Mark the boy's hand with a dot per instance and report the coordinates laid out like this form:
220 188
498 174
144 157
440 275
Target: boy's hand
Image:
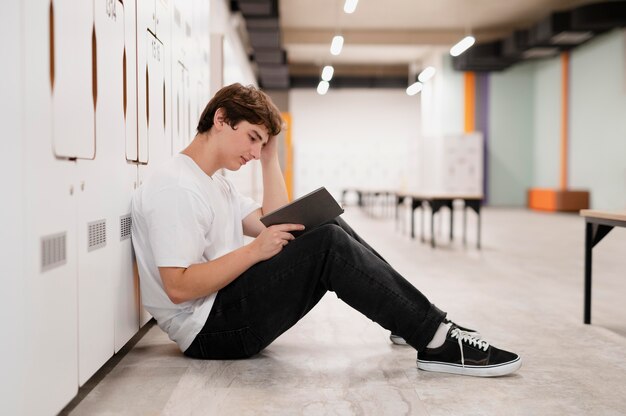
270 150
272 240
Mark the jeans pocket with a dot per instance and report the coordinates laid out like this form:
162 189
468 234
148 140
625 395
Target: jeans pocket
227 345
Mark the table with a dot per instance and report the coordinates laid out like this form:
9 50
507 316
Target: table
436 202
597 225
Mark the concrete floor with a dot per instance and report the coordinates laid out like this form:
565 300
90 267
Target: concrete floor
523 291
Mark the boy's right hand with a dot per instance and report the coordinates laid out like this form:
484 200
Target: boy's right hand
272 240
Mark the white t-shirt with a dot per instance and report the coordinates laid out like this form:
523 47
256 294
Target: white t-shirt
181 216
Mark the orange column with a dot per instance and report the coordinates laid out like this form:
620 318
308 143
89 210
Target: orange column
470 101
564 116
288 156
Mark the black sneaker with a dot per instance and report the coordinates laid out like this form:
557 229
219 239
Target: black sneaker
398 340
466 354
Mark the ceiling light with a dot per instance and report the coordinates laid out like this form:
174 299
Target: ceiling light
414 88
350 6
426 74
327 73
322 87
462 46
336 45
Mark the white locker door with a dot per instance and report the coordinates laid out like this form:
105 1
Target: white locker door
98 215
130 100
146 28
188 127
151 101
159 143
163 20
180 107
12 220
143 172
49 232
73 81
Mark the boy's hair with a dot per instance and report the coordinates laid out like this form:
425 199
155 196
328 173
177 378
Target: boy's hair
242 103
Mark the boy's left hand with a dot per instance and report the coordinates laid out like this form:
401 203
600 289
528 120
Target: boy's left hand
270 150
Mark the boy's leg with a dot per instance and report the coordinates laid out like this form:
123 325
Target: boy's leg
273 295
344 225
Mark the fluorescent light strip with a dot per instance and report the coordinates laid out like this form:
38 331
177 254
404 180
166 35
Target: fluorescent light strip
336 45
350 6
462 46
414 88
322 87
426 74
327 73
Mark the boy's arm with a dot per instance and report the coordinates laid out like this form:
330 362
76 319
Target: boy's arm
274 189
203 279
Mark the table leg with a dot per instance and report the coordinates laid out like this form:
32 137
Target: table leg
412 219
464 224
432 226
588 259
451 221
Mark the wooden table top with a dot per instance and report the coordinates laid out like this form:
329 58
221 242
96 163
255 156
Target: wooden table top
606 215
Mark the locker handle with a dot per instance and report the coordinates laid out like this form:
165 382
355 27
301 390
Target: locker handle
147 96
124 81
51 44
94 67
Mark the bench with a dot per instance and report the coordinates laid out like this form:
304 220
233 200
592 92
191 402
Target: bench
597 225
436 202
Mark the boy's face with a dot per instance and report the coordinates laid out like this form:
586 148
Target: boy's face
243 144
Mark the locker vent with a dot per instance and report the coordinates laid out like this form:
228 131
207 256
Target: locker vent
53 251
97 235
125 223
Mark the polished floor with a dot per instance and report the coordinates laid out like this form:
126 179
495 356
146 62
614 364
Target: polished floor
523 291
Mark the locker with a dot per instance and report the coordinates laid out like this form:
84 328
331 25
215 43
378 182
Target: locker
130 98
50 264
159 144
180 107
180 76
72 78
144 316
51 211
13 295
216 59
102 200
163 20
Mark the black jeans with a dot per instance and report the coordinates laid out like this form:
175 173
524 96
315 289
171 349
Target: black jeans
271 296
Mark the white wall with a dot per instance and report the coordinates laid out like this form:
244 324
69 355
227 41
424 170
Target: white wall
352 138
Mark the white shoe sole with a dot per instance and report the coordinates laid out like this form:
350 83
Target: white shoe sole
398 340
471 370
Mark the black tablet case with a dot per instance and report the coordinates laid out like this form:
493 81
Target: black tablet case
311 210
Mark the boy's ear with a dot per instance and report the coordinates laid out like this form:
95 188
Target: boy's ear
218 119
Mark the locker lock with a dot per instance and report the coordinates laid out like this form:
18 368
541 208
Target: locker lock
82 185
71 189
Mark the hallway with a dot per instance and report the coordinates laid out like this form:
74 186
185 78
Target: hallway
523 291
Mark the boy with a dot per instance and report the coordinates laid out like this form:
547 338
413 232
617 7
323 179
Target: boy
220 299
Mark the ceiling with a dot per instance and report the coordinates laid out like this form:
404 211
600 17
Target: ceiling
382 37
385 36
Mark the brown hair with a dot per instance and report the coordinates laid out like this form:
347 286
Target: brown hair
242 103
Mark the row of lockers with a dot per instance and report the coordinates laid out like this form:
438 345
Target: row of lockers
108 89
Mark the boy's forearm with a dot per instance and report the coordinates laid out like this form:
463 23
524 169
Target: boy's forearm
274 189
202 279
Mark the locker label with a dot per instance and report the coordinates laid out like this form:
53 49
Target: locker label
111 12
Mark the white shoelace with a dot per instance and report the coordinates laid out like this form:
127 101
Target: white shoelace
471 339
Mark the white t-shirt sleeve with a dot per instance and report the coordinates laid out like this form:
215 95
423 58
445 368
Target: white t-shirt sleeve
177 225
